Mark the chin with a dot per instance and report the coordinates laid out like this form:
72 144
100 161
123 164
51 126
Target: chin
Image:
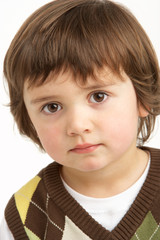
91 166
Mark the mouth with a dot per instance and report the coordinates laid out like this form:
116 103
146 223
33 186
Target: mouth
85 148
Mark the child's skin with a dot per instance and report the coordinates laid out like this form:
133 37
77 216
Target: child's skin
104 114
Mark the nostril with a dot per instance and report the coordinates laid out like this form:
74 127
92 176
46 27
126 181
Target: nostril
77 131
86 130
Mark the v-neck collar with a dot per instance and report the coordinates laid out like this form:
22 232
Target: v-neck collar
129 223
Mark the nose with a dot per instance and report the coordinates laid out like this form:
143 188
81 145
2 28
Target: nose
79 122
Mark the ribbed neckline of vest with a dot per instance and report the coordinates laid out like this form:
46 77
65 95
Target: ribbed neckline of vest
129 223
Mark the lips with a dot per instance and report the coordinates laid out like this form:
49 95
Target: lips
85 148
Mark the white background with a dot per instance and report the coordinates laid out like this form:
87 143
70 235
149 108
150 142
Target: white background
20 160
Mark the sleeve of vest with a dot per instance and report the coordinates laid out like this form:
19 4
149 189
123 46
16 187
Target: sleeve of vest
5 233
14 221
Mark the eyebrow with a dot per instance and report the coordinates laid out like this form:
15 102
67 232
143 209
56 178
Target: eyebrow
98 86
51 97
43 99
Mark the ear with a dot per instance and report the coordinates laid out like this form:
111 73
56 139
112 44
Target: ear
142 111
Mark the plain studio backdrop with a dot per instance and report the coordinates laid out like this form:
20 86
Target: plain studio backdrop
20 159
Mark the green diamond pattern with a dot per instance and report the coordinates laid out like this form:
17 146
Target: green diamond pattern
31 235
149 229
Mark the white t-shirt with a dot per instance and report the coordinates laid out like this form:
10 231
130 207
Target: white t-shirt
107 211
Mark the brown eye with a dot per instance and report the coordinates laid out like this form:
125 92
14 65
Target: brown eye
51 108
98 97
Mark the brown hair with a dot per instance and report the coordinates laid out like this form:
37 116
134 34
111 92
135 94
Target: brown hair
82 35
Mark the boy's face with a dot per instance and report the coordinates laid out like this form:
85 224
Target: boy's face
89 127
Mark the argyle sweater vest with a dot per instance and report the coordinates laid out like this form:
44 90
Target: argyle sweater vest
44 210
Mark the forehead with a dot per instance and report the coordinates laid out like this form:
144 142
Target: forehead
64 85
101 77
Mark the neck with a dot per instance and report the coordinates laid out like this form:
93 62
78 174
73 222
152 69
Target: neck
109 181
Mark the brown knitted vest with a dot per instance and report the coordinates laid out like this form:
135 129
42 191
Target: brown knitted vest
44 210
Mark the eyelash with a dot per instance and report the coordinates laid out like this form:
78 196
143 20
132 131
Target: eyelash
103 94
59 107
51 105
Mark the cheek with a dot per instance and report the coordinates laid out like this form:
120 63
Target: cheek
121 129
51 140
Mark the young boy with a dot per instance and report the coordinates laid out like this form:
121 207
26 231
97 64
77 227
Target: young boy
84 85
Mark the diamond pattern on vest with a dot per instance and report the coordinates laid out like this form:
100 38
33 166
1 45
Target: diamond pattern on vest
149 229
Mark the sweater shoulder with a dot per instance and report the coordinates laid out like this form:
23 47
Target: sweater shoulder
31 197
17 208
